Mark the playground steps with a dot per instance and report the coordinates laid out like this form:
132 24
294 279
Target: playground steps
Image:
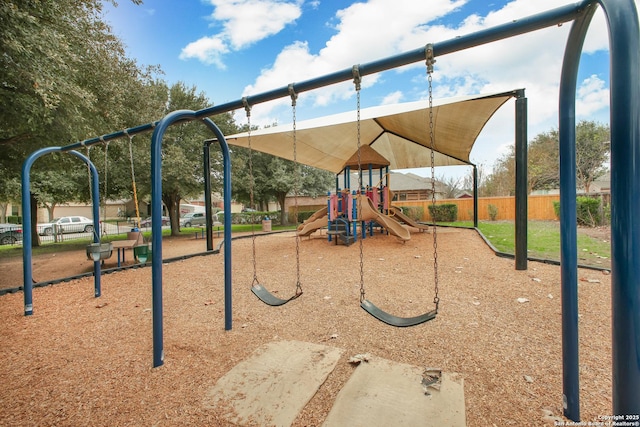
340 232
347 239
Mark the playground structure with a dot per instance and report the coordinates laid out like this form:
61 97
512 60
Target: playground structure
624 36
371 207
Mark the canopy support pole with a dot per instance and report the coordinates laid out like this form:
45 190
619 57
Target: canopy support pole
522 187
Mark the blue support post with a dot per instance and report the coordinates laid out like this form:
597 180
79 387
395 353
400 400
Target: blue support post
475 196
226 194
95 194
521 181
347 177
625 204
355 217
329 211
568 230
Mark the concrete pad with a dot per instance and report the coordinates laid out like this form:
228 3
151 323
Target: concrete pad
384 393
272 386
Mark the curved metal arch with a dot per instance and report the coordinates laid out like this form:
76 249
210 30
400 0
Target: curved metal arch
27 253
156 223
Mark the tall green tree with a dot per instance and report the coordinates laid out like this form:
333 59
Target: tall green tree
182 174
59 70
543 172
592 151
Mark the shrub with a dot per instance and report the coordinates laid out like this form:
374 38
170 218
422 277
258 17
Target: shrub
251 217
493 212
588 211
447 212
302 216
556 208
14 219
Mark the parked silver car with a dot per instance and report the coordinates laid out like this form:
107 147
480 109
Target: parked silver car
193 218
67 224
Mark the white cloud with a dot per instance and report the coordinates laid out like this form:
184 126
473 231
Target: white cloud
592 96
207 49
244 22
248 21
392 98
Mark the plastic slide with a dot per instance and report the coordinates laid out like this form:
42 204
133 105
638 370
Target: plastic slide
314 222
398 213
368 212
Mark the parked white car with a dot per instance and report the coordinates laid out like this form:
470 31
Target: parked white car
67 224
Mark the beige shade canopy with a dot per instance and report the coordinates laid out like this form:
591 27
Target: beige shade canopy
398 132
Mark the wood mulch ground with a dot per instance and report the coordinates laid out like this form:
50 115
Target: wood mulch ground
85 361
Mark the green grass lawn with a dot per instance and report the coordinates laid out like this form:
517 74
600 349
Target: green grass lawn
543 241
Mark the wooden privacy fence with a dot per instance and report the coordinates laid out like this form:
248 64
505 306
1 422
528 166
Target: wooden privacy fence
539 207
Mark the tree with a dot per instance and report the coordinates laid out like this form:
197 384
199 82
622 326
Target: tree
182 174
542 158
450 186
251 174
481 177
59 68
274 178
315 182
501 181
592 151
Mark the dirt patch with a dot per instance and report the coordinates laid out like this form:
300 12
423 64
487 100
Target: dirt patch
600 233
85 361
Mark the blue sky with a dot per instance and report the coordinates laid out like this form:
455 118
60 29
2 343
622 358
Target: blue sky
232 48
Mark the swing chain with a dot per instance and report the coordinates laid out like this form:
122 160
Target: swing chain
356 81
296 189
133 178
430 61
96 233
247 109
106 171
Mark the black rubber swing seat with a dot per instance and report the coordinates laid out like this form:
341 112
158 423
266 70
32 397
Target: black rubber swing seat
268 298
390 319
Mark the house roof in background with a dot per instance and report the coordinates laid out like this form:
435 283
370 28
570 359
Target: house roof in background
397 182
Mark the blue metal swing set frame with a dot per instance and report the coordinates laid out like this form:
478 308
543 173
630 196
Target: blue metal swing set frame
624 36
